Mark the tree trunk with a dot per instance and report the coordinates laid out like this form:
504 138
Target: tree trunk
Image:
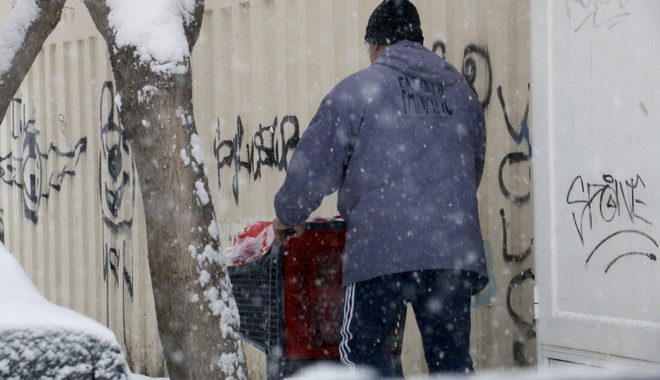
197 316
50 12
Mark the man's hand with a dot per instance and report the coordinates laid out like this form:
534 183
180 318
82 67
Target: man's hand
282 234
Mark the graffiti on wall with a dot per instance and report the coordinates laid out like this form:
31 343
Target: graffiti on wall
31 168
117 191
478 72
269 147
517 158
2 226
517 193
611 202
596 13
476 69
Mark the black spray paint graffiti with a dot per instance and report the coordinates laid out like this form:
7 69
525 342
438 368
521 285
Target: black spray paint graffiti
478 72
2 226
597 13
527 329
615 202
514 158
117 177
509 258
117 192
28 169
476 69
270 147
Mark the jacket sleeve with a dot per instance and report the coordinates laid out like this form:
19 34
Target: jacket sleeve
480 144
317 165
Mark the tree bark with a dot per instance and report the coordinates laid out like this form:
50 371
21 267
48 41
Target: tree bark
197 316
50 12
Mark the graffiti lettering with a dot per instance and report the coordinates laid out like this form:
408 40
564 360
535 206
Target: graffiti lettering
597 13
518 193
609 200
616 202
638 233
117 191
270 147
524 131
505 250
17 103
514 158
476 69
440 45
478 72
2 226
528 328
117 173
28 169
112 266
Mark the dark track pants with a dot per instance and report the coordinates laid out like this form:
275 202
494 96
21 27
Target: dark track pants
441 301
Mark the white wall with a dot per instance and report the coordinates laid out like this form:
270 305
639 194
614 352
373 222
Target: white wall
596 118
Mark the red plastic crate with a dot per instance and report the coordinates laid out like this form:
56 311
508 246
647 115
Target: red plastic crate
312 292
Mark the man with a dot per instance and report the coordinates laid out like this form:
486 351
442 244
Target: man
403 141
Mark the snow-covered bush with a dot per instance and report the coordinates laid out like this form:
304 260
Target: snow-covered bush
40 340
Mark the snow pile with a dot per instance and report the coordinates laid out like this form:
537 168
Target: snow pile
39 339
12 32
156 29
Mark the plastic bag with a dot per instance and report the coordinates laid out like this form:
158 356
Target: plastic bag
252 243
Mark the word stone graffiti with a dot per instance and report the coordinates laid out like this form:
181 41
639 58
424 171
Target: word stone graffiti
609 210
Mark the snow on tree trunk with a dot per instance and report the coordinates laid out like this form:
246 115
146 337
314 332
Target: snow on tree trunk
196 312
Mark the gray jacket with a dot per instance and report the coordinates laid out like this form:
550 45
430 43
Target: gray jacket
403 141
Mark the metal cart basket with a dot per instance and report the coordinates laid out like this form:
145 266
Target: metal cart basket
290 301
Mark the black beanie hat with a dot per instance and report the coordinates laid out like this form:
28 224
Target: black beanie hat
393 21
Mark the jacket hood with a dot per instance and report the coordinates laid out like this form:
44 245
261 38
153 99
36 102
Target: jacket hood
415 60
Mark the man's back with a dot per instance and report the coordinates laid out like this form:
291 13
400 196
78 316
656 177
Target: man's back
403 141
409 194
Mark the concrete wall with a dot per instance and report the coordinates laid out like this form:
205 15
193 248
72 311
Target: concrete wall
262 66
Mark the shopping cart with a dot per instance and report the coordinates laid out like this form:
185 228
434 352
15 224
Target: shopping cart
290 301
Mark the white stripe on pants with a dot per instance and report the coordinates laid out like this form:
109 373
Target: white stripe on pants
346 335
